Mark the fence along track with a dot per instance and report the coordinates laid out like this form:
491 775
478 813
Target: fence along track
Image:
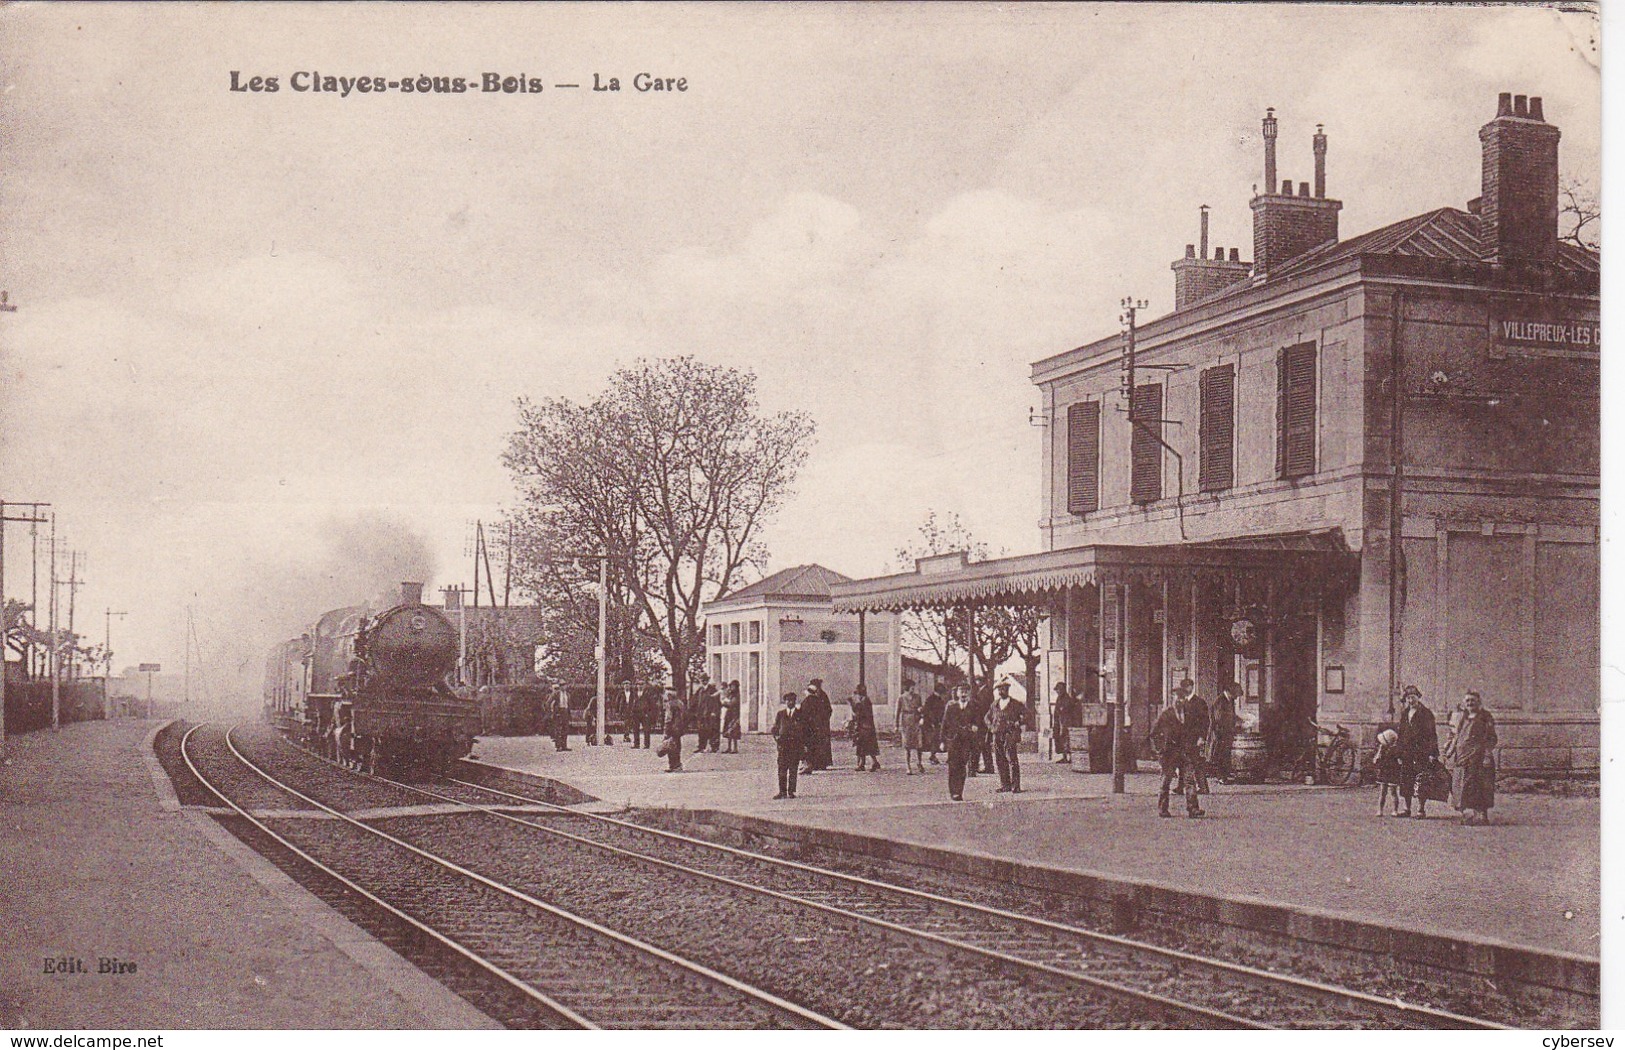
774 1006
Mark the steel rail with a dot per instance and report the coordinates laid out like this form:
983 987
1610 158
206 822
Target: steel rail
1347 998
642 947
568 1015
1164 1006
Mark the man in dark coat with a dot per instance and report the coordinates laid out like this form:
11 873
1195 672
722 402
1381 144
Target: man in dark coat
959 737
1174 741
787 734
1196 713
1222 719
1418 747
1009 719
648 709
672 743
931 721
981 758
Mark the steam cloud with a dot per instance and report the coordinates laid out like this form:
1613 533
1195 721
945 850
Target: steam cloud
359 559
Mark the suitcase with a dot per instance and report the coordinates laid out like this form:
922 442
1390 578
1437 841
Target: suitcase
1433 784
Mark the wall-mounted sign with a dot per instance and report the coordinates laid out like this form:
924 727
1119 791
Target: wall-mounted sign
1092 715
149 668
1535 335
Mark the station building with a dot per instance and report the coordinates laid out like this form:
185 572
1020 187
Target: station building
1343 467
776 635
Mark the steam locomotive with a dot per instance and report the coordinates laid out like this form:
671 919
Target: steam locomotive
369 689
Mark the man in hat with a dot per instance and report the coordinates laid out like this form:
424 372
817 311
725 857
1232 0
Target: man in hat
1201 723
671 745
1009 719
1418 747
787 734
1174 741
959 737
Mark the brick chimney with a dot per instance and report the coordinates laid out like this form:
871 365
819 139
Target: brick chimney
411 594
1518 210
1197 276
1285 225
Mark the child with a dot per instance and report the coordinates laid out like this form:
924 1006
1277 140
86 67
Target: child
1386 761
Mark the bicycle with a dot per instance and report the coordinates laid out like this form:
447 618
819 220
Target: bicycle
1332 763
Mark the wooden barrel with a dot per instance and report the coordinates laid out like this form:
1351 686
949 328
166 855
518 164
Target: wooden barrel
1249 758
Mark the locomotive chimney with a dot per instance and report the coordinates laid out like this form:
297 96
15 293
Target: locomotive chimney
411 594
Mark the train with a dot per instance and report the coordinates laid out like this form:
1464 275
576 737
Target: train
370 688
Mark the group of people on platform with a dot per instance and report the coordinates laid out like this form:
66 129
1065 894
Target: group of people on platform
981 732
1408 763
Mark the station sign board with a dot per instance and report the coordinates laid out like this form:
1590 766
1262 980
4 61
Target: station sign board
148 668
1537 333
1093 715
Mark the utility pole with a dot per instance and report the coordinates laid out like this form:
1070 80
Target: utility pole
73 594
56 643
603 643
186 644
107 662
32 516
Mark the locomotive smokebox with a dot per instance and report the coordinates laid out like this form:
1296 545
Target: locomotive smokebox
411 594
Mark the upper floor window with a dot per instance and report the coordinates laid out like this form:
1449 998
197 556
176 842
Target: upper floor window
1145 448
1218 428
716 634
733 634
1295 411
756 632
1083 457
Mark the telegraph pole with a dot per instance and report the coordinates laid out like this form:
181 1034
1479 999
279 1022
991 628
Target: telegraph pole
56 643
32 516
73 594
107 662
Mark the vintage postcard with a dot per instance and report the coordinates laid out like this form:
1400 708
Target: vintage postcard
816 515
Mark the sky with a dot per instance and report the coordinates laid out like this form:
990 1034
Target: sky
267 345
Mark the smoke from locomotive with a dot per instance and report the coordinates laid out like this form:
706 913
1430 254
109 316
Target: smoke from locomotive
369 688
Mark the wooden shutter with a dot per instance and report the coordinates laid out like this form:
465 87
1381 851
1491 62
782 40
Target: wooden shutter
1218 428
1145 451
1083 457
1295 411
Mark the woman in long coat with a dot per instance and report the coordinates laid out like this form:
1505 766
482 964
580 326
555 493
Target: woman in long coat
863 728
1472 761
730 717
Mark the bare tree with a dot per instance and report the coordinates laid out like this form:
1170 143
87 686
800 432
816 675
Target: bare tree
1579 214
671 473
991 635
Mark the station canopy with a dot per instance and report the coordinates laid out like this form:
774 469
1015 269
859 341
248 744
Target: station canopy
952 580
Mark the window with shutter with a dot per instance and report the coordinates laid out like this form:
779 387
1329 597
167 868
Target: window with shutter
1218 428
1083 457
1145 451
1295 411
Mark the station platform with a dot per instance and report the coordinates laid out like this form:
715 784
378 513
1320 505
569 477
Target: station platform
1529 881
101 862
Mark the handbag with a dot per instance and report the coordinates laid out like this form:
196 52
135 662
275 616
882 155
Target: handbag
664 750
1433 784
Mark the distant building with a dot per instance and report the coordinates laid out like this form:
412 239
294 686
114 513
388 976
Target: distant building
1341 468
777 634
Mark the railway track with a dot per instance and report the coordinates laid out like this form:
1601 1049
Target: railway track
540 965
1177 986
1160 984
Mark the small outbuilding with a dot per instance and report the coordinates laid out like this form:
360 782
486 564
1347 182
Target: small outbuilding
776 635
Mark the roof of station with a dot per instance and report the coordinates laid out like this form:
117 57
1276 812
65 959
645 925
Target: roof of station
1449 234
800 582
1039 579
